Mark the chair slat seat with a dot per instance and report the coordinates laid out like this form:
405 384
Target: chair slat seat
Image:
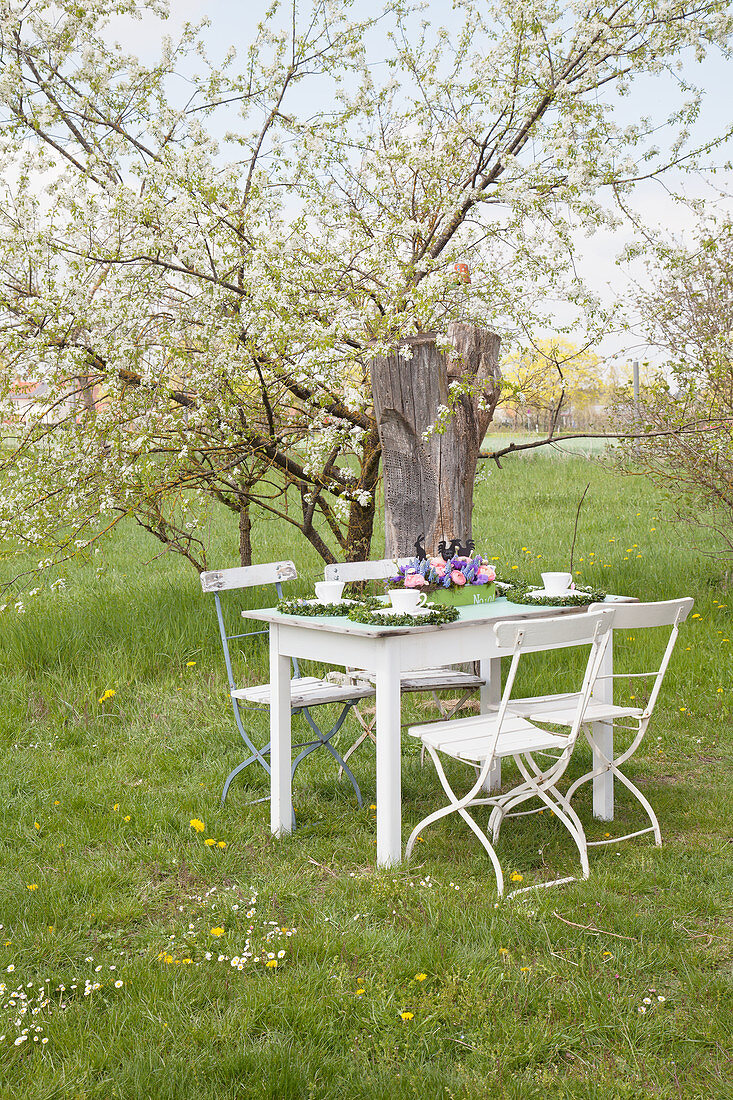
433 679
560 709
306 691
470 739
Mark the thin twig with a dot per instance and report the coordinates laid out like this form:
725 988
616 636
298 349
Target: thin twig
590 928
575 529
322 866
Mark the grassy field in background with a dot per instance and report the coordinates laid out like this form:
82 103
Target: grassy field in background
151 937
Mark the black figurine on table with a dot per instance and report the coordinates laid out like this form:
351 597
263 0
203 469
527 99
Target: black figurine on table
455 549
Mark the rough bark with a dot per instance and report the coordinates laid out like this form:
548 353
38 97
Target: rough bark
245 536
361 516
429 481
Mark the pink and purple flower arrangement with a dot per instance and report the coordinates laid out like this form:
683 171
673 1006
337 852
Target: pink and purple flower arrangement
433 574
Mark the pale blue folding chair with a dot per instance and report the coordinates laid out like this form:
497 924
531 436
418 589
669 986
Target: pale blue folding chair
306 692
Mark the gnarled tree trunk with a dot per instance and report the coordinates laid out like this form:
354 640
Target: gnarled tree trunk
429 481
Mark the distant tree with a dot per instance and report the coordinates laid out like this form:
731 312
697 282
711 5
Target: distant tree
557 384
688 317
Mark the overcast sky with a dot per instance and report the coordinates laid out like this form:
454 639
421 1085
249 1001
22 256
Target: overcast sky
233 22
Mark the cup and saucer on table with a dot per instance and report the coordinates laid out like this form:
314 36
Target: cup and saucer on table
330 592
406 601
554 584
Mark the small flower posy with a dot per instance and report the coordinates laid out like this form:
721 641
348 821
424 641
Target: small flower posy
431 574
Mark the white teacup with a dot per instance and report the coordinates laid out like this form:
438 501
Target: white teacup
329 591
407 600
557 584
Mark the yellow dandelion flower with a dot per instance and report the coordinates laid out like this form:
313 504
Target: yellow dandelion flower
116 806
127 817
197 824
210 842
359 992
407 1015
217 931
271 963
32 885
56 802
190 664
516 877
221 843
420 977
503 951
524 969
36 825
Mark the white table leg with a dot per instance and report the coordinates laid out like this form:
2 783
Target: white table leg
281 810
603 736
490 671
389 759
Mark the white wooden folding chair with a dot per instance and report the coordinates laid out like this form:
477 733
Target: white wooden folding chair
559 709
430 680
485 739
306 692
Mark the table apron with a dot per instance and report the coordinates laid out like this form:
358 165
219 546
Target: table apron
407 651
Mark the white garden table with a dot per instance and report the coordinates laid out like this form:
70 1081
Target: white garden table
387 651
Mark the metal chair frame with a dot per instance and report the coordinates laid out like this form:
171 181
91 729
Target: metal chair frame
275 573
555 709
483 740
442 680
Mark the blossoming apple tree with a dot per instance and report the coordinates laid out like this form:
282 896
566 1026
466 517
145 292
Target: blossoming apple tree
201 261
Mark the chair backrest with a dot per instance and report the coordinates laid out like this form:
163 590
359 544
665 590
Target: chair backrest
520 636
630 616
348 571
245 576
532 635
635 616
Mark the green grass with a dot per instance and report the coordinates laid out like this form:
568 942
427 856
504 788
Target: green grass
532 998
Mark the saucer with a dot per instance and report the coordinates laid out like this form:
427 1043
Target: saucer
393 611
327 603
540 594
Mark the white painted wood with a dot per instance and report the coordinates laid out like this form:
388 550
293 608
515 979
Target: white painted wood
660 613
307 691
490 696
389 762
338 642
433 679
247 576
281 808
603 739
348 571
555 633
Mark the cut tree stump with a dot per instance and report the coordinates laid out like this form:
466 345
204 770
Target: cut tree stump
429 481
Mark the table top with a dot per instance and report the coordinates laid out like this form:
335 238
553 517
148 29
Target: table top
500 608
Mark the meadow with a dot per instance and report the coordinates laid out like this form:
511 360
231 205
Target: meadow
154 944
